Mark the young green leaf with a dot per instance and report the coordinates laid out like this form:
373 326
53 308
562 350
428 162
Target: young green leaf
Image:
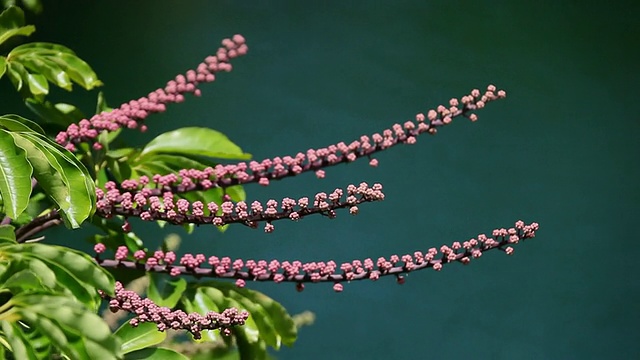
164 291
60 114
15 175
139 337
195 141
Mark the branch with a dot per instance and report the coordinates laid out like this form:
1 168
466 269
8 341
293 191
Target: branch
37 225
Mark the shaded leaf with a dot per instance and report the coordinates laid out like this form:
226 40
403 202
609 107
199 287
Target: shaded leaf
38 84
195 141
70 326
61 114
12 24
15 175
3 65
165 291
18 123
78 264
7 235
24 280
155 353
20 346
139 337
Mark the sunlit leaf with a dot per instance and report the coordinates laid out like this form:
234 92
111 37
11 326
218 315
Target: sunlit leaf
49 69
56 58
38 84
64 178
15 175
139 337
195 141
71 327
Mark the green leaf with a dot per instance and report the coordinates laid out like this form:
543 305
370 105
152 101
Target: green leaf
71 327
20 346
195 141
267 312
56 57
15 175
102 104
24 280
7 235
249 349
196 300
63 177
12 24
76 263
18 75
18 262
155 353
269 315
164 291
61 114
18 123
139 337
3 66
14 75
49 69
38 84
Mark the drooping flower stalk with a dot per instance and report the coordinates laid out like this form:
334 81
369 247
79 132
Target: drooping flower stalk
154 208
323 271
317 160
132 114
145 310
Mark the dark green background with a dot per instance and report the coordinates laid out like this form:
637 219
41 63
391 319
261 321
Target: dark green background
561 150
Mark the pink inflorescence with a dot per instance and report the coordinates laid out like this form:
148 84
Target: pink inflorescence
263 172
132 114
146 310
113 201
329 271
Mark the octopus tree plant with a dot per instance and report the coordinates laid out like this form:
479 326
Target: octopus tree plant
50 295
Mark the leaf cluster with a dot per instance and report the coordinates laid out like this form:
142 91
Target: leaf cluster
49 295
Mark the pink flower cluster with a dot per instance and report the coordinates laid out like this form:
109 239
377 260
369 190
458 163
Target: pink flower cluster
145 310
149 207
267 170
132 114
323 271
